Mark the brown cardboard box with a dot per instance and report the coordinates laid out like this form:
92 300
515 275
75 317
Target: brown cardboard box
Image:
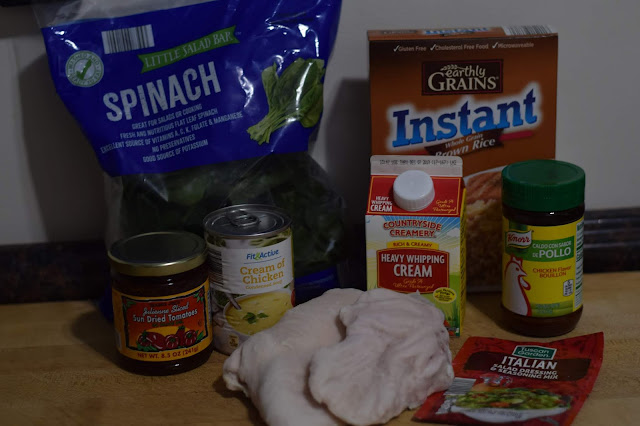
487 95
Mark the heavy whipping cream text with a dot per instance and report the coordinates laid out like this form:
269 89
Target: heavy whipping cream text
413 265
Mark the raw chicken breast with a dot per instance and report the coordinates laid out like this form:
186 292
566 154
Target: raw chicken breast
395 354
271 367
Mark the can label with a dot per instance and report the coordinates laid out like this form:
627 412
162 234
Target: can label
252 282
542 268
162 328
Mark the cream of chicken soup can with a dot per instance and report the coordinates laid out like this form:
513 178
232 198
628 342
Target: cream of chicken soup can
250 269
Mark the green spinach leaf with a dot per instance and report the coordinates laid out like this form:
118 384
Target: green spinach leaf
294 96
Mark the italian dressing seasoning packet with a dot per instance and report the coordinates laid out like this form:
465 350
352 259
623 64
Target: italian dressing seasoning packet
517 383
194 105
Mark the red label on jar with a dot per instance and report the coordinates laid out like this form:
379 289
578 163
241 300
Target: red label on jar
162 328
411 270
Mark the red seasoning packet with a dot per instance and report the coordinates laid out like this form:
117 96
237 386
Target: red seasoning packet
517 383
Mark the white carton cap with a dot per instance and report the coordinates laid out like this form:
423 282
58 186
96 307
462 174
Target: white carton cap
413 190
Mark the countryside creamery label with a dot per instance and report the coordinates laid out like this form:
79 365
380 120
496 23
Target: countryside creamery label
542 268
487 95
415 230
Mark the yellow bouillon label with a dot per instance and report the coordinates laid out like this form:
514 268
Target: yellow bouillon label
542 268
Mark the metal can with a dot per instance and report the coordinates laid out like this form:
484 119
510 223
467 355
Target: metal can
250 269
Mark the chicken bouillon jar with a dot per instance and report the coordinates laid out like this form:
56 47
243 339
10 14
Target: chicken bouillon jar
543 208
161 307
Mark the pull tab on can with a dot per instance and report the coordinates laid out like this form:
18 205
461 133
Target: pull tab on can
241 218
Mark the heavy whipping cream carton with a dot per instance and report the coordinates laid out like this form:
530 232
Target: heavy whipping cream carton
415 230
487 95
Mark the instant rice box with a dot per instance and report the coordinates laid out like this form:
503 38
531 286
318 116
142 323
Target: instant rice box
487 95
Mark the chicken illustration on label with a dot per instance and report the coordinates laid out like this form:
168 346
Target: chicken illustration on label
514 295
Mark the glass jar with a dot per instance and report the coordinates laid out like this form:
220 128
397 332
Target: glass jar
162 313
543 209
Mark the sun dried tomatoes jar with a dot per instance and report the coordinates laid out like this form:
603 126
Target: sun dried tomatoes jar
162 313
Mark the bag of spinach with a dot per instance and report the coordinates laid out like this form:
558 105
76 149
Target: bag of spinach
195 105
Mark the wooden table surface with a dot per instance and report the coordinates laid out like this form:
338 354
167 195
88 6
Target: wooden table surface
57 366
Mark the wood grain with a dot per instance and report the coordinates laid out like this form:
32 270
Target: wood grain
57 366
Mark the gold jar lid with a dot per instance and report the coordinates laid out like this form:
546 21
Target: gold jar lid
157 254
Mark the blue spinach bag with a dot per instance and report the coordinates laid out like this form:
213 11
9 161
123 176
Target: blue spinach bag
195 105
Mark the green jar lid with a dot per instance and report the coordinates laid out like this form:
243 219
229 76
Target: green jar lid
543 185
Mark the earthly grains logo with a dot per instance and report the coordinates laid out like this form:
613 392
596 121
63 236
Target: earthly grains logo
457 77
